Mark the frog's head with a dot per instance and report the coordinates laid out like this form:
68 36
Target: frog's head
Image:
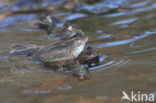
80 41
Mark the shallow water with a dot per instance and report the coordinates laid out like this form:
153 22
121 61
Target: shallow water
125 38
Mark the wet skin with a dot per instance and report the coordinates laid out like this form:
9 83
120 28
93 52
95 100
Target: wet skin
80 71
68 31
48 23
63 51
62 55
89 56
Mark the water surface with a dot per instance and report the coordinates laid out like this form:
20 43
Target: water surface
125 38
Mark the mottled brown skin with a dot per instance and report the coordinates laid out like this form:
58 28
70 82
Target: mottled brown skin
62 53
67 32
47 22
80 71
89 56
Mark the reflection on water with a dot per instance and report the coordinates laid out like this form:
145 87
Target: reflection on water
16 19
76 16
37 91
104 36
122 42
126 41
101 7
125 21
146 50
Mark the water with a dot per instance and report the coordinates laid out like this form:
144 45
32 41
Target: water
125 39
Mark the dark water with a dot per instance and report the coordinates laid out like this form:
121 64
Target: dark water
125 38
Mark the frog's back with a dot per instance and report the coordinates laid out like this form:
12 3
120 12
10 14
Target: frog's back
56 53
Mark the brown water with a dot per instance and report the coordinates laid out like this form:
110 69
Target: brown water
127 43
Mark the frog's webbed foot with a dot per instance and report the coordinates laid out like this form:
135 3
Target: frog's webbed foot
81 72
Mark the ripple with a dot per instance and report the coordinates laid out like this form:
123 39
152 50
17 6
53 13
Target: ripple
104 36
126 21
140 4
122 62
76 16
32 4
103 66
123 26
143 51
52 2
99 31
16 19
112 63
3 58
117 14
128 12
148 8
122 42
101 7
37 91
67 87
